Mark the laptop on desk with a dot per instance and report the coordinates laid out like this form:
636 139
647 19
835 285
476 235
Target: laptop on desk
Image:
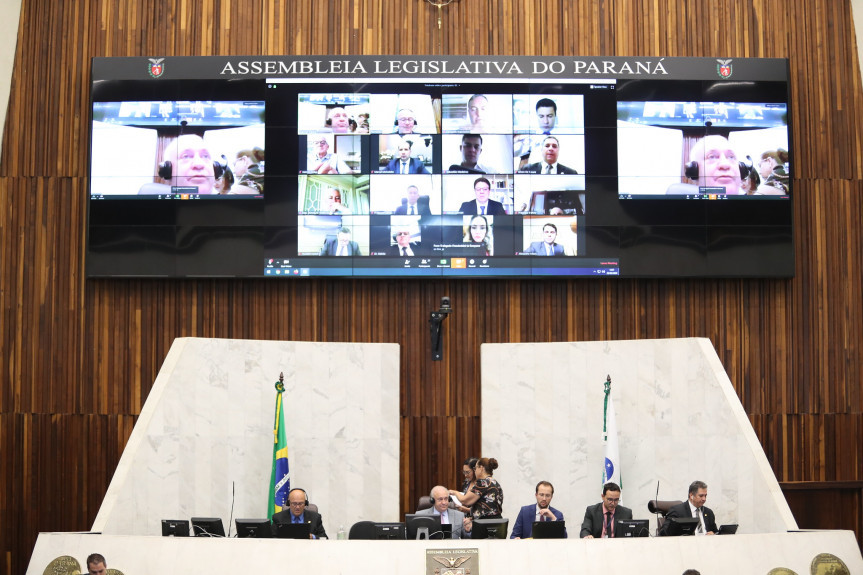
293 530
729 529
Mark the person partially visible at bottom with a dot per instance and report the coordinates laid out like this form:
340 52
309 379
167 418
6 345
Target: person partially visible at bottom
548 246
482 205
248 172
694 507
478 235
599 520
341 245
542 511
691 572
461 525
96 564
772 169
486 497
297 513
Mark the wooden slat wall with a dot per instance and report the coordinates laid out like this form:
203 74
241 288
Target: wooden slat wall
77 358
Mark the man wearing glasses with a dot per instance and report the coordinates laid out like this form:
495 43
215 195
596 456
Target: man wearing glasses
297 500
322 161
403 247
600 519
482 205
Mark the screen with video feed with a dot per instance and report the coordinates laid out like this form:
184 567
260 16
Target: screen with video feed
383 166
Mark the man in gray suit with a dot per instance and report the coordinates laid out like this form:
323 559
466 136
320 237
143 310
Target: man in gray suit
461 525
599 520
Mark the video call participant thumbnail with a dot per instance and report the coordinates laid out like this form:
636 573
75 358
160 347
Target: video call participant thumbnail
548 246
471 149
549 151
321 161
403 235
341 245
414 205
482 204
403 163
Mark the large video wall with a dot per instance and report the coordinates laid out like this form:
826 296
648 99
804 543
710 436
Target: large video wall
374 167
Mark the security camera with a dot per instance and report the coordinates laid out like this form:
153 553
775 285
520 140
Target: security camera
445 306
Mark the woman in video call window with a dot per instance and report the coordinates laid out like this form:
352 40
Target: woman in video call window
478 234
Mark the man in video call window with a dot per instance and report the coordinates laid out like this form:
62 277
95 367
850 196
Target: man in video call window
482 205
323 162
341 245
406 121
404 247
471 148
192 163
413 207
546 115
403 163
548 246
550 150
716 163
331 203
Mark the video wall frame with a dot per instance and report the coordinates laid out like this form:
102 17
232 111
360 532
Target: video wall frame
430 167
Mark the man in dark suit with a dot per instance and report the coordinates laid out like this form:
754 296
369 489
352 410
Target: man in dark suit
404 246
547 247
694 507
413 206
550 150
542 511
600 519
342 245
404 164
461 526
297 513
482 205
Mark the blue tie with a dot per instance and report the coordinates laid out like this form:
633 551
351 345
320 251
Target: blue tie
482 211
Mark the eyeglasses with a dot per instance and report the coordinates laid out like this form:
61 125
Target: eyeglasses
467 471
403 233
297 503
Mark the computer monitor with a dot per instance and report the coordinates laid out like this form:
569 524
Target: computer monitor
390 531
293 530
549 530
254 528
208 527
729 529
175 528
633 528
681 526
489 528
426 527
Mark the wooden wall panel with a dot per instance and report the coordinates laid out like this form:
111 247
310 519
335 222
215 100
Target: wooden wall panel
78 358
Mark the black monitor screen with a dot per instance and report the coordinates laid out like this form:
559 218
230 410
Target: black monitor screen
380 166
681 526
426 527
175 528
549 530
208 527
390 531
254 528
633 528
489 528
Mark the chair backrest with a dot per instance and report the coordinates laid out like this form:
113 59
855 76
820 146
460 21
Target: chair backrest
362 530
425 502
312 507
661 508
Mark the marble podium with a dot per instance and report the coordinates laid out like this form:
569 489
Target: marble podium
678 419
204 440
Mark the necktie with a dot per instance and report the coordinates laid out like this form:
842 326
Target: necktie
547 250
405 253
404 167
700 528
608 530
482 210
548 168
341 251
413 211
444 518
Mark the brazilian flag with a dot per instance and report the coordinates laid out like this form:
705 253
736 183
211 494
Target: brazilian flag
280 478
